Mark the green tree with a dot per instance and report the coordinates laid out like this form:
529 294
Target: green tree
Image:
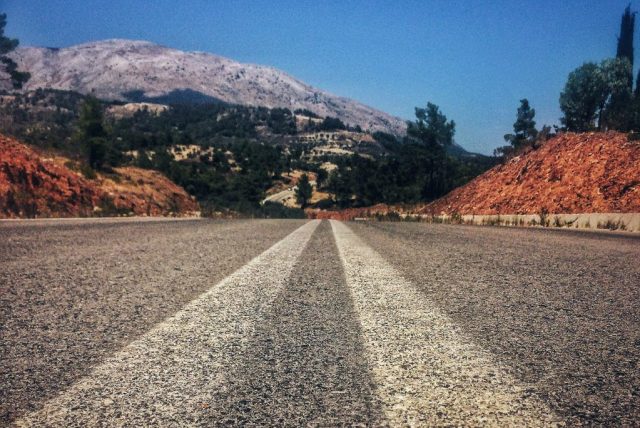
524 127
303 191
7 45
92 135
431 127
625 40
596 96
616 113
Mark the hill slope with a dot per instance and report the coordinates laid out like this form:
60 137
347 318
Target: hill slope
137 71
571 173
34 186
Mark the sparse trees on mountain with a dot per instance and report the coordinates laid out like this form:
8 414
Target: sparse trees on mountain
17 78
304 191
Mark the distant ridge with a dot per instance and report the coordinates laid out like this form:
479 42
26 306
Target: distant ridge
116 69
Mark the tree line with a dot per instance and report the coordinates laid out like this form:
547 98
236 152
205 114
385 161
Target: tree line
598 96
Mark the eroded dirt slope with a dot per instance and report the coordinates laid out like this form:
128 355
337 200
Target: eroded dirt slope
571 173
34 185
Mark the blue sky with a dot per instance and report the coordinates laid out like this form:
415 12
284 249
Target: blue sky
475 59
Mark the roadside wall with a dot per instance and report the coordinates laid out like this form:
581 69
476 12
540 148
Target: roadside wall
609 221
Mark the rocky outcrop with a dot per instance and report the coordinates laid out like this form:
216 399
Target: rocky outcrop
33 185
141 71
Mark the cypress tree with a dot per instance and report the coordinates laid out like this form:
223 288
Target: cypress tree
625 40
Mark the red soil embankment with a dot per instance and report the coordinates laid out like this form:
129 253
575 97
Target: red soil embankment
569 174
33 185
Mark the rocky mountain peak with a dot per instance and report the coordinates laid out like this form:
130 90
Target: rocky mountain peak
131 70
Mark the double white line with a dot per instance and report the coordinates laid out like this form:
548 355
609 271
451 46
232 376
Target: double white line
425 370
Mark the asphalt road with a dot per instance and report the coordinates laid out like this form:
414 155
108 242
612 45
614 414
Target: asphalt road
290 323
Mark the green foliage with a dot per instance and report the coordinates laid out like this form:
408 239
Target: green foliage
281 121
99 152
306 112
524 128
90 122
582 98
616 112
596 96
416 169
331 124
242 151
625 41
7 45
143 161
431 127
303 191
410 172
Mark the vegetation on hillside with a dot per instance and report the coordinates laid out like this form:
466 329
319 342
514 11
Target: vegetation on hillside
243 151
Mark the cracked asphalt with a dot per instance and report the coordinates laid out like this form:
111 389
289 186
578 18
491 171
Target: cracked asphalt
298 323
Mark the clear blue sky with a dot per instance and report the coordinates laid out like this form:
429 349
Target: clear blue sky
475 59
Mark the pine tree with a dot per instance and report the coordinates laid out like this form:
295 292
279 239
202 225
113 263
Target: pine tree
91 134
304 191
431 127
7 45
597 97
524 126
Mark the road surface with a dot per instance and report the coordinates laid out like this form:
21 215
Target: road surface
290 323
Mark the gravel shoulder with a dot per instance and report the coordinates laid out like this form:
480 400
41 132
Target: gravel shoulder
72 294
562 310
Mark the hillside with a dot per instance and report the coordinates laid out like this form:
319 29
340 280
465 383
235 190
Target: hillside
237 157
33 185
129 70
569 174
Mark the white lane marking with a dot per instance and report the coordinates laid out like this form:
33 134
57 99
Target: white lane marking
426 371
170 375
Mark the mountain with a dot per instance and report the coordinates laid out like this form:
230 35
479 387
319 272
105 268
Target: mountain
33 184
569 174
129 70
